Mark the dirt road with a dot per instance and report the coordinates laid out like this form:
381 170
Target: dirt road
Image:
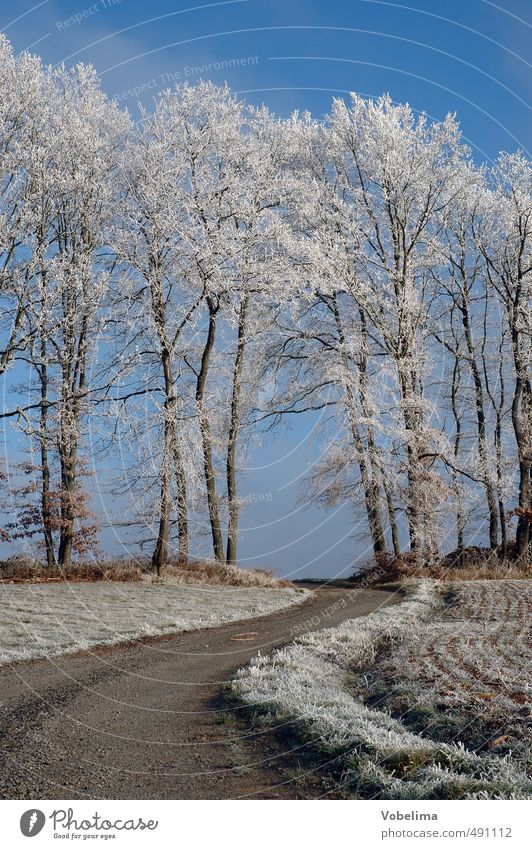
146 721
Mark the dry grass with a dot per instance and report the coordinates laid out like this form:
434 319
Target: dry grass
196 572
27 570
471 564
216 574
506 570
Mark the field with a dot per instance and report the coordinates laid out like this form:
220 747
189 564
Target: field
39 620
466 676
427 699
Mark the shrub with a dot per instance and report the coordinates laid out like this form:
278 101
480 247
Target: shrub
473 563
26 569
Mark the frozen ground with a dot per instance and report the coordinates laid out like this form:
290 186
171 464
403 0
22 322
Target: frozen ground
39 620
466 676
352 692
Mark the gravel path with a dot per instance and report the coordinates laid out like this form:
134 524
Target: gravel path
144 720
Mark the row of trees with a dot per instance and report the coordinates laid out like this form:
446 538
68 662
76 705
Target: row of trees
172 289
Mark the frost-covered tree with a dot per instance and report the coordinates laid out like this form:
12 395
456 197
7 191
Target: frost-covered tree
215 270
20 106
465 324
504 234
399 173
160 302
62 257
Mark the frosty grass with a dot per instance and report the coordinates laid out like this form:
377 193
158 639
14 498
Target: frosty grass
306 687
39 620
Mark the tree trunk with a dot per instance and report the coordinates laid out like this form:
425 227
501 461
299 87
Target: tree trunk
522 410
518 318
522 536
74 383
370 486
498 406
234 427
411 423
379 545
66 539
171 448
455 385
45 466
521 413
481 430
182 508
208 464
160 555
67 458
394 530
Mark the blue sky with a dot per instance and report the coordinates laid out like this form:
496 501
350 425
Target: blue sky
441 55
473 58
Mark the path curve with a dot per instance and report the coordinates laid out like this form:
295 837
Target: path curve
144 720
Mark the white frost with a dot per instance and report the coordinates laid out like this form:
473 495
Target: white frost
40 620
306 684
